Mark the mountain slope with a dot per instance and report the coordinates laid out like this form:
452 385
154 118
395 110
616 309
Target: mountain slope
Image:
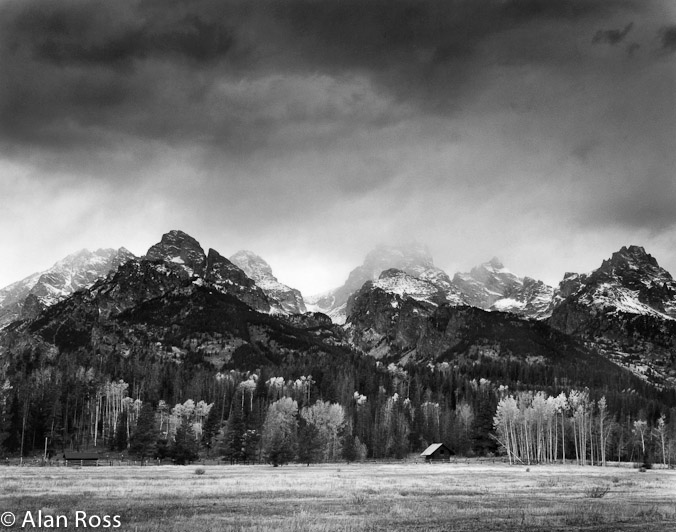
491 286
414 260
79 270
401 329
627 307
183 255
284 298
176 304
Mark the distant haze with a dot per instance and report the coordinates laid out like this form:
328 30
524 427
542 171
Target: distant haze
308 131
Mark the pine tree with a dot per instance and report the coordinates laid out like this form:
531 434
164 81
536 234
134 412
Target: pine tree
212 425
184 447
250 442
12 441
310 445
350 452
233 438
281 448
119 442
482 426
143 441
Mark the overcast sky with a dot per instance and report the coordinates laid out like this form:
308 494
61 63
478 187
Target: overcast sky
308 131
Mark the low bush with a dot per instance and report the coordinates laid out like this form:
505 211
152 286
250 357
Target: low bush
596 492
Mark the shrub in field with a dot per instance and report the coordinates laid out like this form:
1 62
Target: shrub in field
585 517
359 499
596 492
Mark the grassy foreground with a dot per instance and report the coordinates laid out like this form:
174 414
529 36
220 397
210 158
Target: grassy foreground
357 497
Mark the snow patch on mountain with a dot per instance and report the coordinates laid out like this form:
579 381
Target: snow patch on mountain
413 259
404 285
491 286
68 275
284 299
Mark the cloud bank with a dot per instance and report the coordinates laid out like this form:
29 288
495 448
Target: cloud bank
311 130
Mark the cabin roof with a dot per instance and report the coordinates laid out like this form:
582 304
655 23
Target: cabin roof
432 449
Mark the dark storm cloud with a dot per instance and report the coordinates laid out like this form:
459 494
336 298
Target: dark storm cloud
483 125
100 33
613 37
669 39
94 74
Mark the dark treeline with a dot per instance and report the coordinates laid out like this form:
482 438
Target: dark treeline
349 404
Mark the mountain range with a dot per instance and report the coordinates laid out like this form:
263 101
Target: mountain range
179 301
27 297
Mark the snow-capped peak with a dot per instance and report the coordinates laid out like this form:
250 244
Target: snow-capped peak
413 259
404 285
179 248
492 286
76 271
630 281
283 298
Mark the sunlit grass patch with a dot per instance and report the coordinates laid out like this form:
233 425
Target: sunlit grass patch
392 497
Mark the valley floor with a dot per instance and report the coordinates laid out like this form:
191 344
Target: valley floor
357 497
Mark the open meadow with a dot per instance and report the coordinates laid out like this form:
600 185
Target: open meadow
356 497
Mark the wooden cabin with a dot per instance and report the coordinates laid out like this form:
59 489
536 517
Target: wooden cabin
437 452
74 458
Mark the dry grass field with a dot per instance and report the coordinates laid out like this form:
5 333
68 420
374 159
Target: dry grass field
357 497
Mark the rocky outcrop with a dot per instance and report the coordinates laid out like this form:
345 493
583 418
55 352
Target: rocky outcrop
283 298
414 260
401 329
156 315
180 251
627 309
26 298
232 280
184 256
491 286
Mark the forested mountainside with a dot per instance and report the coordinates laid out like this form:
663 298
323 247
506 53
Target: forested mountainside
185 342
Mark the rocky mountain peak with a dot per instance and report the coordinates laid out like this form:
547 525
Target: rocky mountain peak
74 258
181 249
282 297
630 258
217 262
626 305
414 259
232 280
395 281
412 255
491 270
76 271
634 269
487 283
391 273
253 265
491 286
630 281
496 263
